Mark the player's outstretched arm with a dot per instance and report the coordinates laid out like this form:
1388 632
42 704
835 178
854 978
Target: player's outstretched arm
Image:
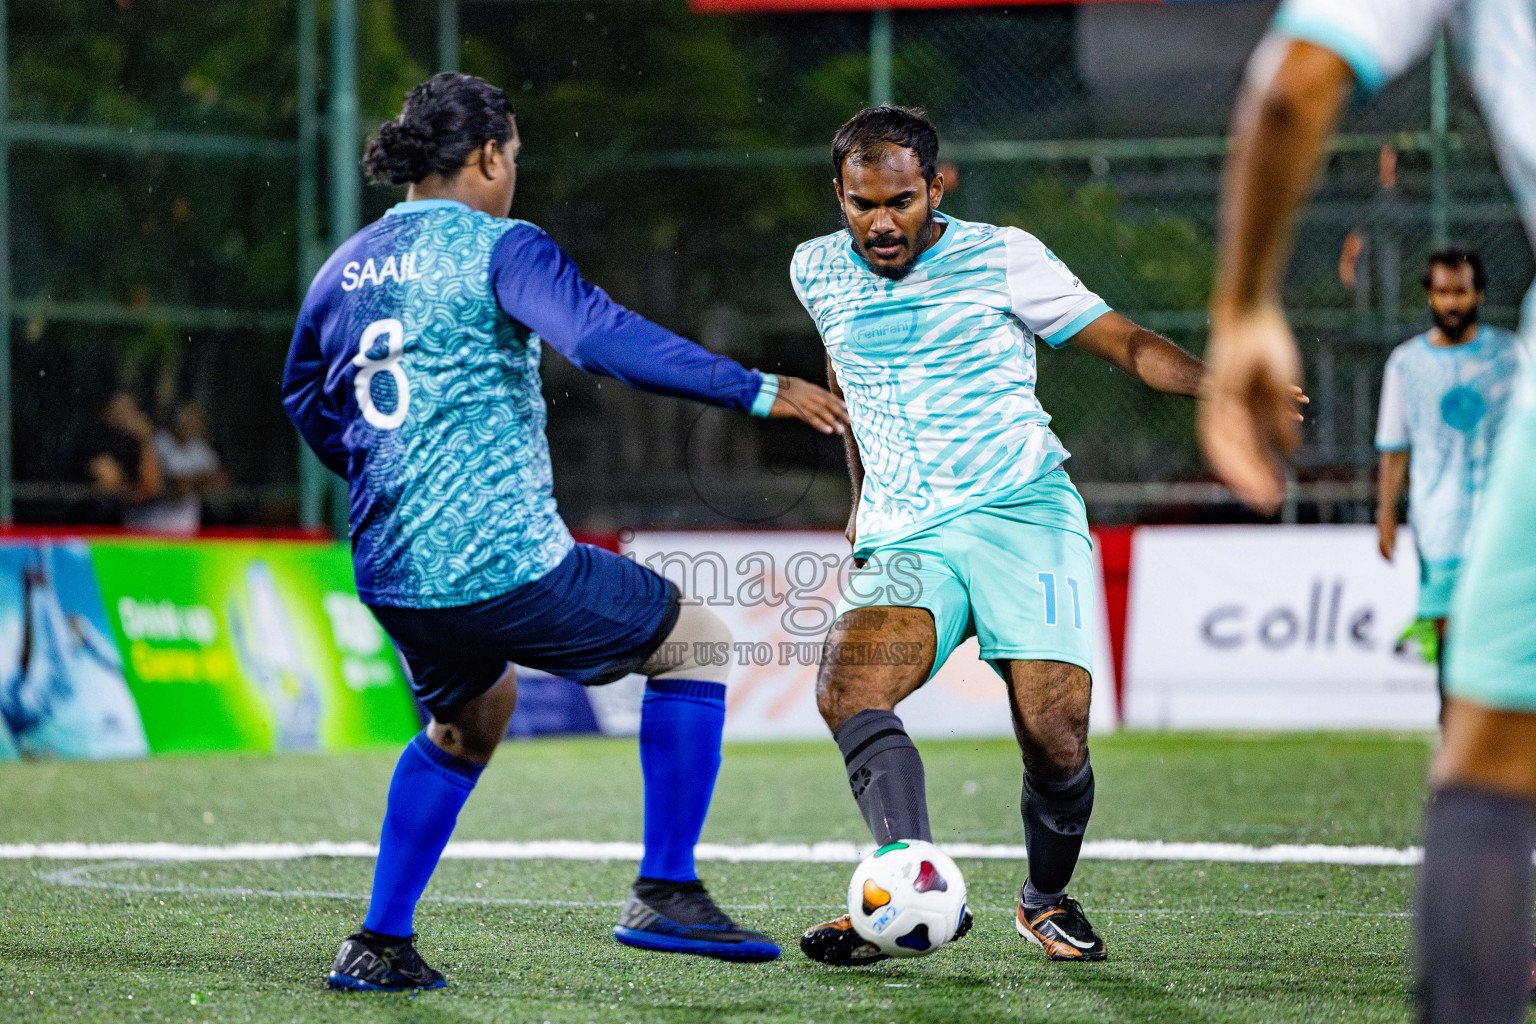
537 284
809 403
1143 354
1289 108
1153 359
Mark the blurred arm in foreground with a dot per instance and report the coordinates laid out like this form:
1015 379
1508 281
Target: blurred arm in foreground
1289 108
1473 929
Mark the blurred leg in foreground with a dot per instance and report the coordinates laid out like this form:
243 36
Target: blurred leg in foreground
1474 931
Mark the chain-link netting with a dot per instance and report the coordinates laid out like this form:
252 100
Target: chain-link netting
153 217
680 159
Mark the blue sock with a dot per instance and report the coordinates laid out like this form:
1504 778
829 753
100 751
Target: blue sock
429 788
680 725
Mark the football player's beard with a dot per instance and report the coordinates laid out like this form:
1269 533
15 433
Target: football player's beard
897 271
1451 325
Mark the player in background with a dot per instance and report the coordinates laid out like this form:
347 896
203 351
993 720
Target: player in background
414 373
1474 900
1443 397
963 518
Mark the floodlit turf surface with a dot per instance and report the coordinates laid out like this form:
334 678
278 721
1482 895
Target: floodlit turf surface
528 941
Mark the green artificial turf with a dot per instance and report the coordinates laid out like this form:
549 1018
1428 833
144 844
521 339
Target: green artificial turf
528 941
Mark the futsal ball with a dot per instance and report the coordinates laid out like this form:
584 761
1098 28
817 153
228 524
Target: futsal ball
907 898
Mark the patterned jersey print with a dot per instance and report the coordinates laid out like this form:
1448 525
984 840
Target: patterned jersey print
938 369
440 411
1444 404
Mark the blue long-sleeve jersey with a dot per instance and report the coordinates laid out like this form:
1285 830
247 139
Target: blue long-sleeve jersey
414 373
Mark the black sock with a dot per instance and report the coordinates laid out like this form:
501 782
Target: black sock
1474 907
1055 817
886 776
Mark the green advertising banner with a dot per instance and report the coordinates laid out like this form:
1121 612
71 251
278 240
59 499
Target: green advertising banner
250 645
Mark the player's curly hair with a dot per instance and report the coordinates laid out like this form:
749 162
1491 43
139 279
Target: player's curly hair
907 127
444 119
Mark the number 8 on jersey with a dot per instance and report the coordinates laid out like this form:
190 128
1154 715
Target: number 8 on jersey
394 343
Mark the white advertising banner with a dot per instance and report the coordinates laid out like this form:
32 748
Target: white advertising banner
1273 627
778 591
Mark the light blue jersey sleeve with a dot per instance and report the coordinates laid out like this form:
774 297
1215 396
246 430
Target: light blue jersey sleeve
1393 431
1043 292
1378 39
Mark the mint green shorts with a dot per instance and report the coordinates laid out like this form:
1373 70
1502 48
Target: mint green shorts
1013 576
1437 585
1491 649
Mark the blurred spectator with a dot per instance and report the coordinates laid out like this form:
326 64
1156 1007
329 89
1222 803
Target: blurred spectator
191 469
1375 243
120 461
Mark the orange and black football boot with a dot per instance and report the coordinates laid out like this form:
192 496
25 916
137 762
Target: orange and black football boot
1061 929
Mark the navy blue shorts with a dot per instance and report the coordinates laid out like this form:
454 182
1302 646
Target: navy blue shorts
593 618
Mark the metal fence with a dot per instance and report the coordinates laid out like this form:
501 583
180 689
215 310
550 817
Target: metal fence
157 236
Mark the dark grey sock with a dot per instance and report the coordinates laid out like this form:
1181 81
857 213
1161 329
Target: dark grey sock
1474 908
886 776
1055 817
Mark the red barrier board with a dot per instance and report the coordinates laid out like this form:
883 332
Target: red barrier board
1114 544
830 6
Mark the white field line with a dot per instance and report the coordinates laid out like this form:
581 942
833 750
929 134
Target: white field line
84 877
812 853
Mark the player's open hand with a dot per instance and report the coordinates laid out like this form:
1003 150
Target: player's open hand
810 404
1249 405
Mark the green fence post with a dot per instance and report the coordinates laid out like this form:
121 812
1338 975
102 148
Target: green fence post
447 35
346 194
7 468
311 473
1440 154
881 47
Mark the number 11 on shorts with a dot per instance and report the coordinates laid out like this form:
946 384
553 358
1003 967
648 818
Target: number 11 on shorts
1048 583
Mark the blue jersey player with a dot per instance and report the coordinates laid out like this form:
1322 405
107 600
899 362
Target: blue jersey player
414 373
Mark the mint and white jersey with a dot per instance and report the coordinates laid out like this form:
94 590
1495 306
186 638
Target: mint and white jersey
1380 39
1444 404
938 369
